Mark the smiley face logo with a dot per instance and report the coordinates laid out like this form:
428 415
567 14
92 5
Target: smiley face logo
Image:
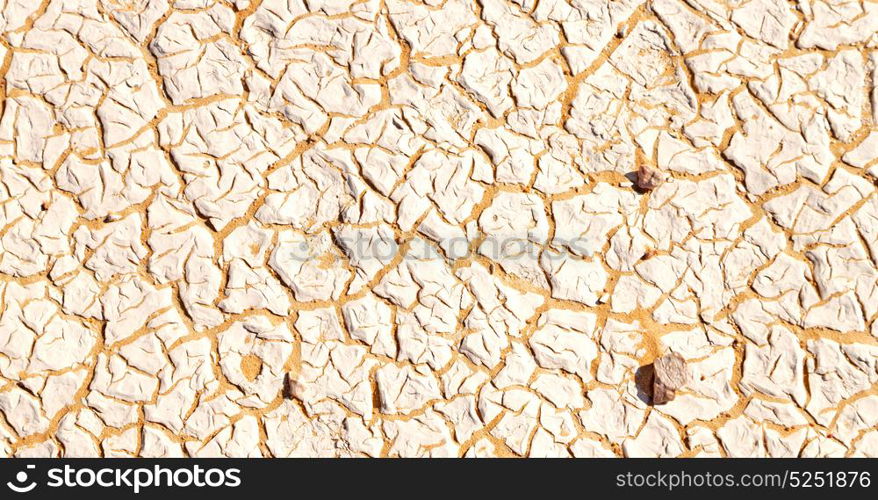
18 486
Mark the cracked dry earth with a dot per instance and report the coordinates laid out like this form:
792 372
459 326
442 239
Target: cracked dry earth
295 227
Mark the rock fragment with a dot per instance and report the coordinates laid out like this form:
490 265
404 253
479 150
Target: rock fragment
671 374
649 178
292 388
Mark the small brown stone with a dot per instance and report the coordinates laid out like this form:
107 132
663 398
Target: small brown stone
292 388
671 374
649 178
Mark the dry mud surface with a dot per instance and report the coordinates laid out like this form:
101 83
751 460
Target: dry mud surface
401 228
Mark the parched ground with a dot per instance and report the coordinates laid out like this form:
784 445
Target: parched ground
403 228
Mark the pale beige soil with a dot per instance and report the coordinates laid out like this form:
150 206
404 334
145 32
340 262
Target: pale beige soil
403 228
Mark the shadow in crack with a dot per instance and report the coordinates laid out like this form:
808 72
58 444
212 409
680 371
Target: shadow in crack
643 380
